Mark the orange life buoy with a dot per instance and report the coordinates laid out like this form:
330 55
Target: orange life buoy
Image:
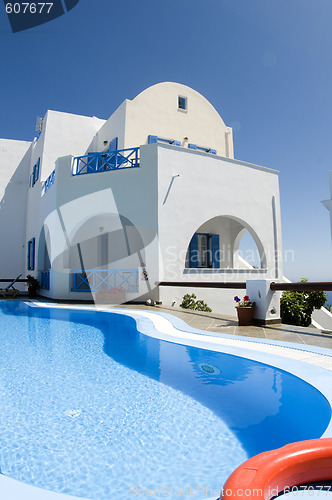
267 474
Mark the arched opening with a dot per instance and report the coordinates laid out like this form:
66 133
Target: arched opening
225 242
105 241
105 253
248 253
44 250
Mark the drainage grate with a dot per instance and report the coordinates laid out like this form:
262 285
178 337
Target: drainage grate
210 369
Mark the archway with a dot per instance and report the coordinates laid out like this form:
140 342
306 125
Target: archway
216 244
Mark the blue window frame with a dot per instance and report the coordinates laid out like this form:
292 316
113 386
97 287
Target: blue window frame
31 255
182 102
204 250
35 173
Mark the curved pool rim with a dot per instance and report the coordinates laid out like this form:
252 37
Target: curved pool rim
167 327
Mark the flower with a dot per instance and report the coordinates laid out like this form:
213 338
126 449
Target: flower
245 302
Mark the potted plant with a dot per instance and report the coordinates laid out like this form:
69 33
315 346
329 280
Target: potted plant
33 285
245 310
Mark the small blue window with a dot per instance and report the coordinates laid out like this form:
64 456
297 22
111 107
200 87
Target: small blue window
182 103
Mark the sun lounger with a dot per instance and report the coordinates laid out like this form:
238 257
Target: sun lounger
10 289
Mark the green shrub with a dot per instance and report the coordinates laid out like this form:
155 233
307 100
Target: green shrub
296 307
188 302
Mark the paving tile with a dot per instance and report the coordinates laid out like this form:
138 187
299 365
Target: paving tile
319 342
284 337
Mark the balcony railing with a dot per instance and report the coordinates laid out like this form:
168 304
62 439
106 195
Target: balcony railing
105 279
103 162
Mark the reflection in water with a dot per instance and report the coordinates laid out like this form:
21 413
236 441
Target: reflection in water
264 406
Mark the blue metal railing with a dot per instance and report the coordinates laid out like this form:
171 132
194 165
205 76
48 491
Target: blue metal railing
49 181
103 162
45 280
104 280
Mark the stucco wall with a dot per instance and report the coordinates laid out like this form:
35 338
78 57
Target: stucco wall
65 134
14 174
203 188
113 127
79 209
155 112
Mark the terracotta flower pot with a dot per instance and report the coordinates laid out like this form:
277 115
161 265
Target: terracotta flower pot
245 315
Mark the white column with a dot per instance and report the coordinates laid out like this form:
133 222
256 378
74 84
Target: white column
267 301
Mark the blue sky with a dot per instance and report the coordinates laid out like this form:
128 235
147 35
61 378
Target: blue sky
266 66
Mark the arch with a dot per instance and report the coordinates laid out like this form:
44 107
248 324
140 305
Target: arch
104 240
224 232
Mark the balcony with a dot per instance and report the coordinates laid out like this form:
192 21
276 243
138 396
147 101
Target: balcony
99 280
103 162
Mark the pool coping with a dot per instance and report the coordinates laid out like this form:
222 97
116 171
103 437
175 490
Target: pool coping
291 357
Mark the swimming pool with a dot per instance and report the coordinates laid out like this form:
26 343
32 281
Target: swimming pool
92 407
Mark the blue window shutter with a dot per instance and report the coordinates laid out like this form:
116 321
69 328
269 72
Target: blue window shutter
213 151
113 145
152 139
177 143
37 170
193 251
192 146
33 253
28 258
215 250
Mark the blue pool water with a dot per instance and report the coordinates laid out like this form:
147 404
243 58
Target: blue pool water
91 407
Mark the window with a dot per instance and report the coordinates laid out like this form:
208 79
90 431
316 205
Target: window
182 103
204 251
31 255
202 247
35 173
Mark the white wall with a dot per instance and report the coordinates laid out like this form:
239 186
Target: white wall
155 112
14 174
65 134
62 133
113 127
78 209
206 187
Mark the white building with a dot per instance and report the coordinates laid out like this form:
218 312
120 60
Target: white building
151 195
